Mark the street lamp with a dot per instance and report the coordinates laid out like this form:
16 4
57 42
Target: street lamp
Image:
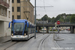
35 19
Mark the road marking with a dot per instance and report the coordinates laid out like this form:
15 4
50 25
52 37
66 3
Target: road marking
41 43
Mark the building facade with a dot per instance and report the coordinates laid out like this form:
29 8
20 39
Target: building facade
5 17
22 9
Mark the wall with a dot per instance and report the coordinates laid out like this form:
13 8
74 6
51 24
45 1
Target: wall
5 19
7 31
9 10
26 7
1 28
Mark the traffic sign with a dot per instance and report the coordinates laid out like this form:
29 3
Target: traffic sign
58 22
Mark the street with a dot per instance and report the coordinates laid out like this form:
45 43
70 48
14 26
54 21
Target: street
42 42
69 41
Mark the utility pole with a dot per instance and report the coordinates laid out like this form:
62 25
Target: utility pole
43 26
35 19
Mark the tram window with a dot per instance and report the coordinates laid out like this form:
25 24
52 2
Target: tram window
11 29
26 28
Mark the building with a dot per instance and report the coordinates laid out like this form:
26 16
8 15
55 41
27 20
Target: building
22 9
5 16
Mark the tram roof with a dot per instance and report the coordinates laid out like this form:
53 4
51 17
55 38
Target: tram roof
19 20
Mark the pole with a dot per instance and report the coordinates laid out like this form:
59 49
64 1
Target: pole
20 8
58 33
58 28
43 26
35 19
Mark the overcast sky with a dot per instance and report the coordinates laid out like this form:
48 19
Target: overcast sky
59 7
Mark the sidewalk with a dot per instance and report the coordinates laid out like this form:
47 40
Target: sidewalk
5 39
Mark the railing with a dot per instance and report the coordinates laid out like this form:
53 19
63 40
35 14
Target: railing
4 3
53 23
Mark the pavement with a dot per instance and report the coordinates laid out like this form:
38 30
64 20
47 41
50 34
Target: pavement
5 39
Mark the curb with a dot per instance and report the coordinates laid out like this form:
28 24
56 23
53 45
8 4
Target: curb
57 38
6 41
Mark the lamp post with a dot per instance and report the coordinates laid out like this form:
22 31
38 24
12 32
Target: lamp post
35 19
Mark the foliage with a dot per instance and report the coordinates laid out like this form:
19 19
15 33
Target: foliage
38 19
61 17
45 18
72 19
53 20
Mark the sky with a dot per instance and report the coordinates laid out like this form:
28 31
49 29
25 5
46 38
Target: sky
54 7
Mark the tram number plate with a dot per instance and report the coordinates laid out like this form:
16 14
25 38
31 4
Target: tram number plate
17 36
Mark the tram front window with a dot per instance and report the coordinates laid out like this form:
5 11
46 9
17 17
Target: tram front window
18 28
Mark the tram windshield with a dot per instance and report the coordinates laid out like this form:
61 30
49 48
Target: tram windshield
18 26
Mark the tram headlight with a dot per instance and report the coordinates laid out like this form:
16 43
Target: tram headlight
12 34
25 34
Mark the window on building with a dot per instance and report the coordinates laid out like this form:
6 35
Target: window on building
18 1
18 17
4 13
12 9
12 1
12 17
18 9
1 11
9 14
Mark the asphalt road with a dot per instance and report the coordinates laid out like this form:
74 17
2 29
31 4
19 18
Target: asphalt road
68 43
42 42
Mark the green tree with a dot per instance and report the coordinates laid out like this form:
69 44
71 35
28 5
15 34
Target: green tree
38 19
53 20
49 19
45 18
68 19
58 17
61 19
72 19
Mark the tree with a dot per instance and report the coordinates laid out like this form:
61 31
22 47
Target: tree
45 18
68 19
72 19
49 19
53 20
38 19
60 17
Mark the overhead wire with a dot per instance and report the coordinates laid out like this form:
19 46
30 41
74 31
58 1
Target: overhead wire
44 5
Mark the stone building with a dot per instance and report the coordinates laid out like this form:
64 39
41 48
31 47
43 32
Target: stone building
5 16
22 9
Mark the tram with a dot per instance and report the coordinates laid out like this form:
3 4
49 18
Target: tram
21 29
